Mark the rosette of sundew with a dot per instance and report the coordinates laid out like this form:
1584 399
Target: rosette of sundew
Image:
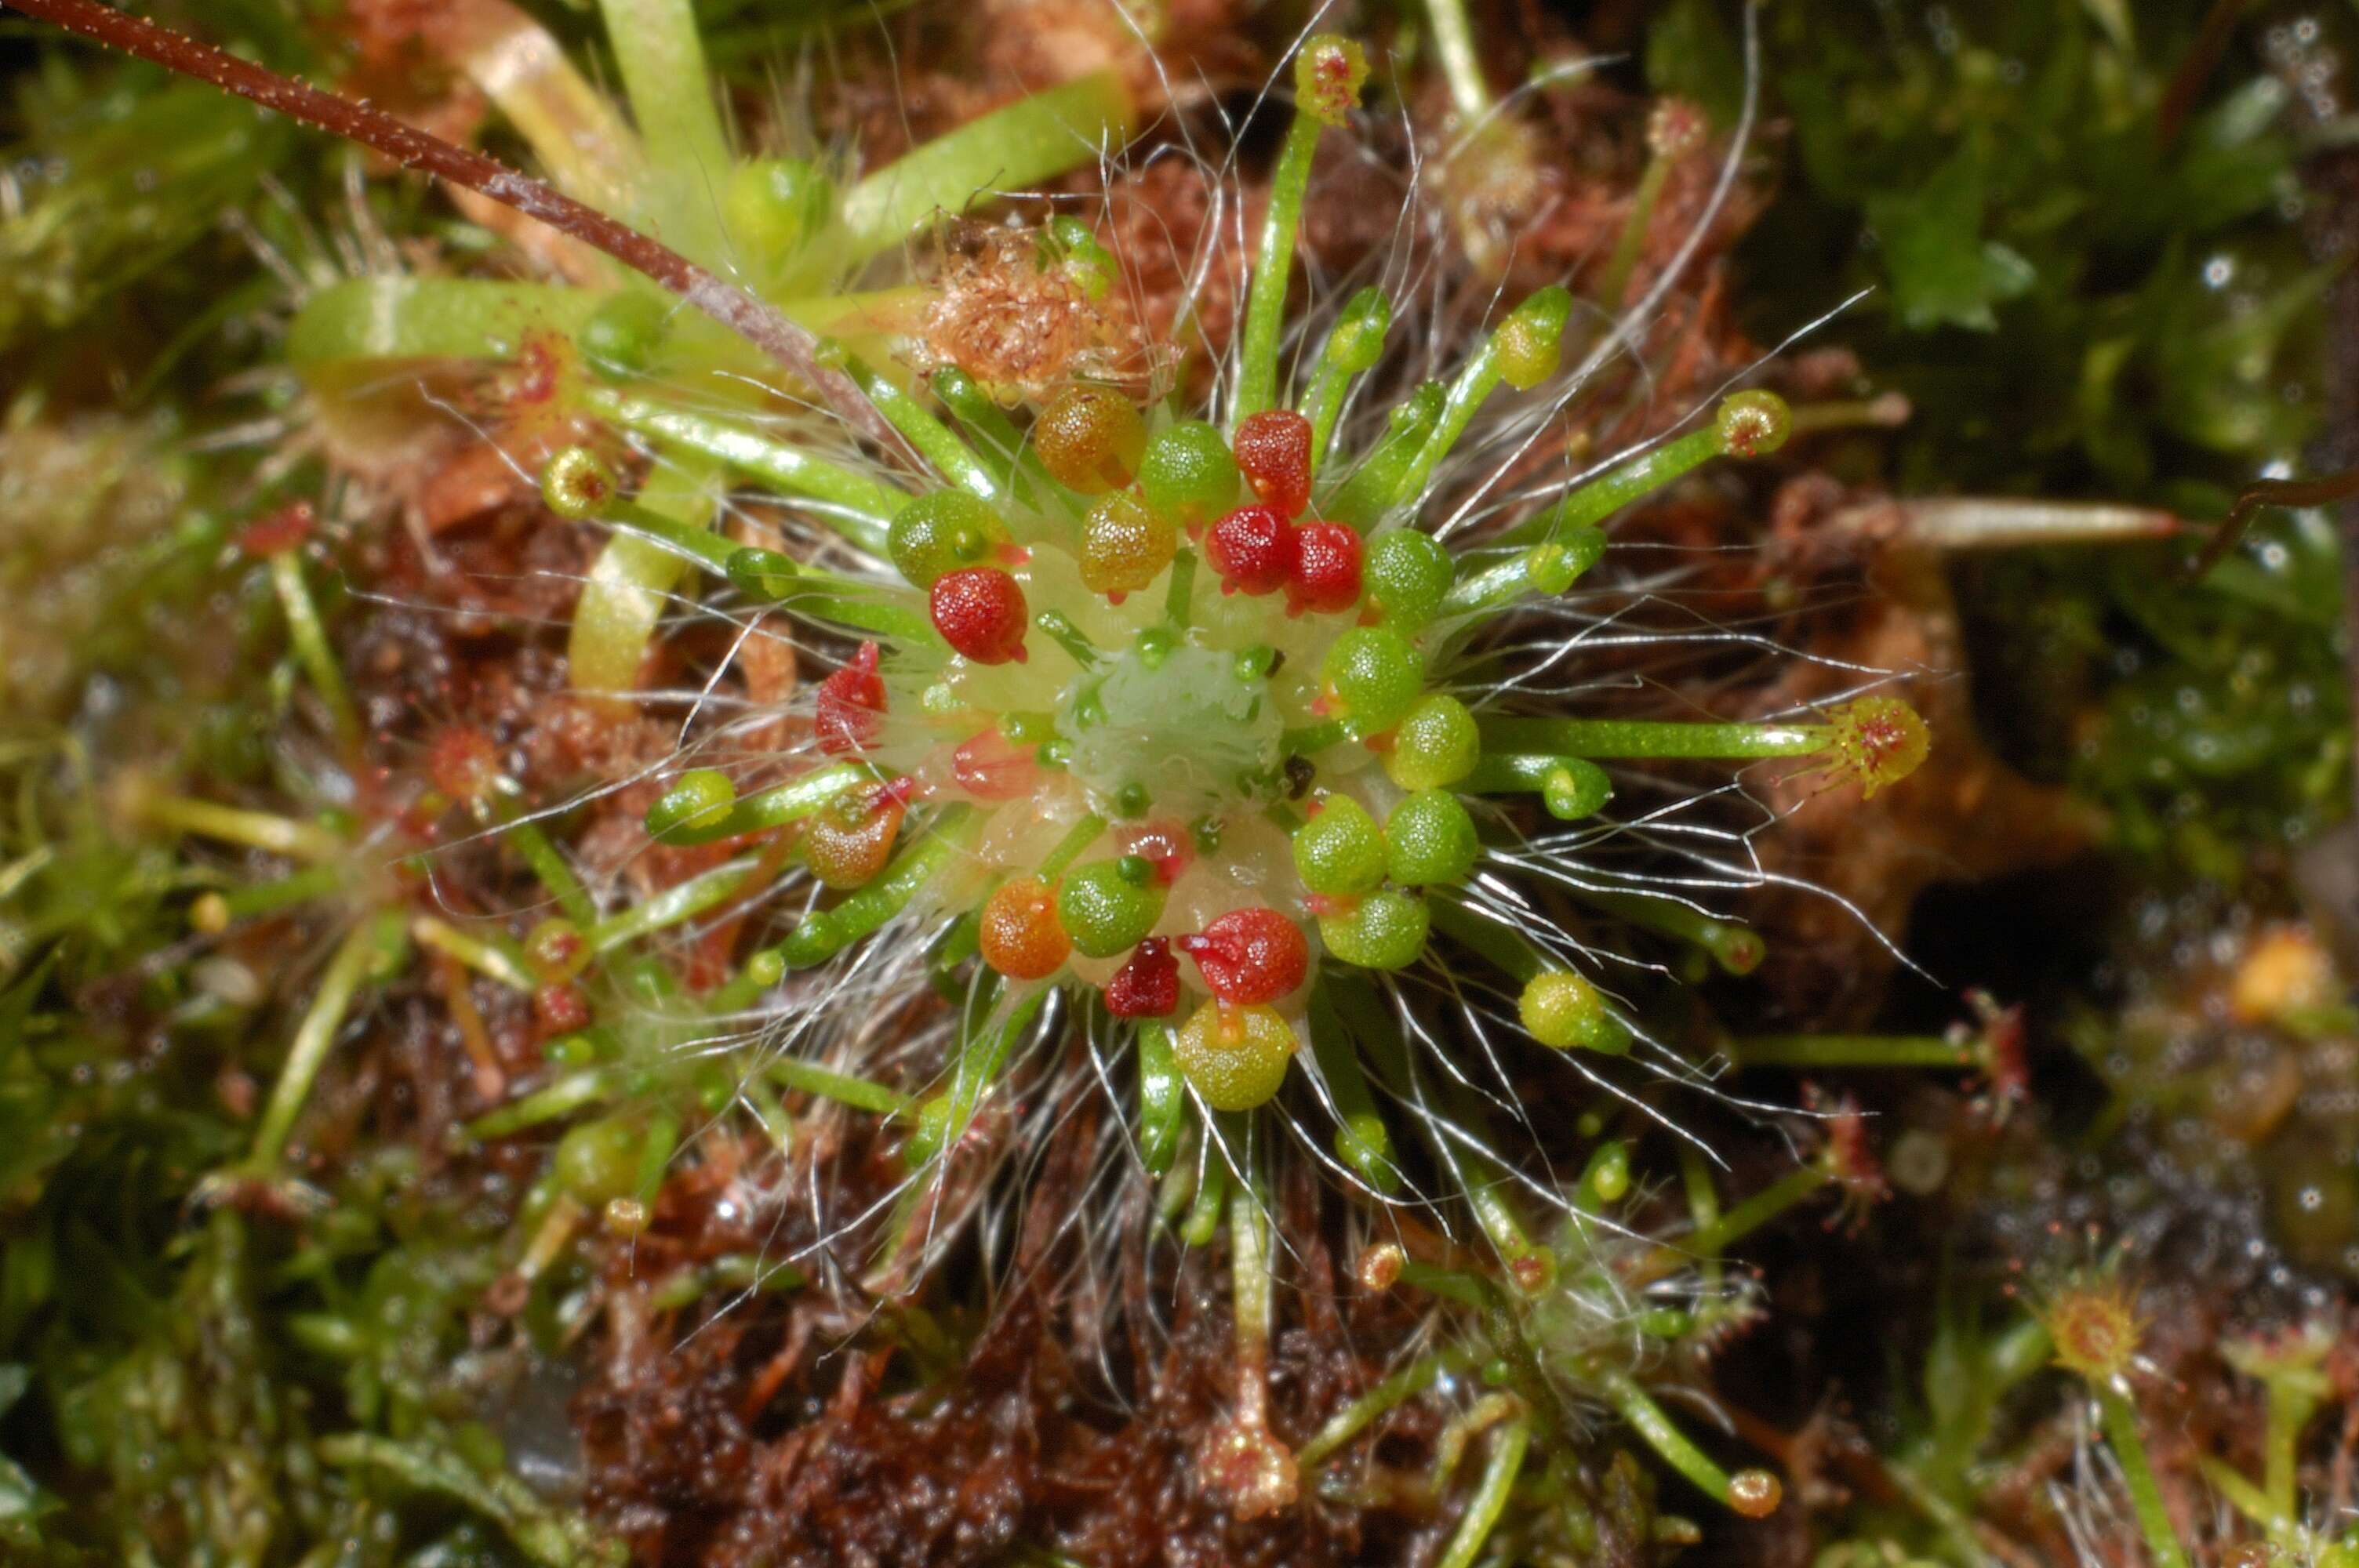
1164 738
1169 718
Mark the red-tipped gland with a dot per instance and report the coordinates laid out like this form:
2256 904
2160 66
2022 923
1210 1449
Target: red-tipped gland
463 763
561 1009
1326 579
1253 549
1273 450
993 767
981 612
851 701
1676 127
1148 986
1250 956
278 532
1328 76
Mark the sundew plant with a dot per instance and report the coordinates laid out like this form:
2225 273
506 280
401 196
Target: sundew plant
1227 735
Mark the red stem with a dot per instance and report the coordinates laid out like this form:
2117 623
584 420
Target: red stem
791 346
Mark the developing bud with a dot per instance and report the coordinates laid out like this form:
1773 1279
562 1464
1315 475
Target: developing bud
1253 549
1020 934
1110 905
1250 956
575 484
1339 852
942 531
981 614
1530 342
1409 575
1273 450
849 840
1435 745
1358 340
1561 1010
1090 438
622 335
1386 930
1125 544
701 799
597 1160
1188 474
1148 984
851 702
1371 676
1326 579
1429 841
1877 741
1754 423
1235 1057
776 205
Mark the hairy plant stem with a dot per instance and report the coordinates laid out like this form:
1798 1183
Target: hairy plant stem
2137 1474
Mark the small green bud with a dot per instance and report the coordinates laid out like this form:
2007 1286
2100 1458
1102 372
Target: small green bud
1070 242
623 334
1435 745
775 206
1155 644
1255 663
575 484
1564 560
1358 340
1339 852
1235 1057
1430 840
1576 789
1110 907
1188 472
814 941
1754 423
701 799
926 1138
1386 930
764 574
557 950
1530 342
1407 575
597 1160
941 532
1560 1010
1373 676
1607 1175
